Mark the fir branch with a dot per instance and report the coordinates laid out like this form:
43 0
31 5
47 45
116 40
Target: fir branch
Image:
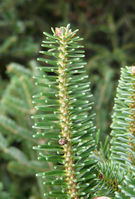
132 108
65 117
127 188
109 177
16 128
122 143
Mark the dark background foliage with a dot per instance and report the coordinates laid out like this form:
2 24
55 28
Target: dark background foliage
108 29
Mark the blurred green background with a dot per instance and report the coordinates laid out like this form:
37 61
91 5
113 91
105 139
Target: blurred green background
108 29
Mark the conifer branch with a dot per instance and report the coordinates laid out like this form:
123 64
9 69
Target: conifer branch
132 123
65 124
65 116
122 143
65 141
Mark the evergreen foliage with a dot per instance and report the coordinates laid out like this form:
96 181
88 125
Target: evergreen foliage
123 133
108 31
65 116
81 166
106 26
18 161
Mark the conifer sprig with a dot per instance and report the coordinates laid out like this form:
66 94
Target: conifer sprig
66 124
123 132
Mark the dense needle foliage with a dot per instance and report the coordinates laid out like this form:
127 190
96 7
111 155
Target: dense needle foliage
108 31
106 26
81 169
